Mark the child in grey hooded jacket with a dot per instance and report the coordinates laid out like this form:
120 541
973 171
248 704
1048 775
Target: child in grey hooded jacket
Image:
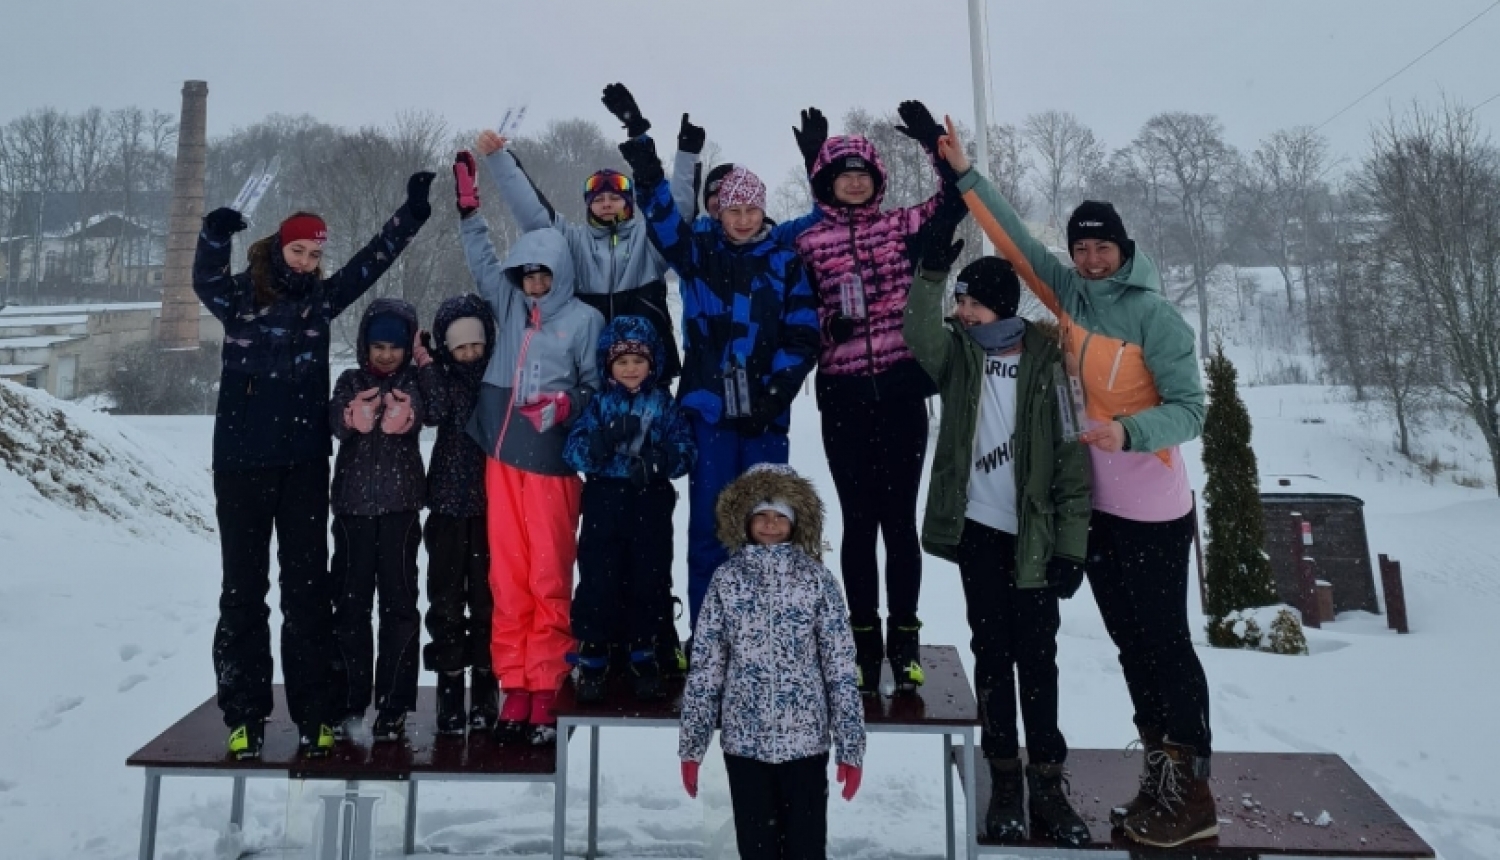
773 667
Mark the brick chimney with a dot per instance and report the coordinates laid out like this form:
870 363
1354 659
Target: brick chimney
179 305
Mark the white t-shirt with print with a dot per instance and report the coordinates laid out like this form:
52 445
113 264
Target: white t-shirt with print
992 486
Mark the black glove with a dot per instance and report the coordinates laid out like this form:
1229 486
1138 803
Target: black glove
223 222
622 104
640 154
623 428
1065 575
418 187
654 465
939 256
811 136
840 328
690 138
765 411
601 446
920 126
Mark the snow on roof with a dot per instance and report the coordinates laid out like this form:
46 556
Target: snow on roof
38 341
54 310
10 321
8 370
1297 485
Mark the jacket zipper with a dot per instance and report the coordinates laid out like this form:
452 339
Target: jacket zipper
614 239
869 338
1115 370
536 325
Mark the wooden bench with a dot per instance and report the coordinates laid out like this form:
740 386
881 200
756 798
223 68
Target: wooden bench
196 746
1270 805
943 706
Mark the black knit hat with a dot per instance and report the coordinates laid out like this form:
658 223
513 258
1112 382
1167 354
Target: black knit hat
1095 220
992 282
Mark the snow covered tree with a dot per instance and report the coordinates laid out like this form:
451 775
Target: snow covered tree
1238 570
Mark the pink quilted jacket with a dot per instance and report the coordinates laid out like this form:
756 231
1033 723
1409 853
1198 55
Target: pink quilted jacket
861 250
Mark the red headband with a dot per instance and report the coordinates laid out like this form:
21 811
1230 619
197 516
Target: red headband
303 228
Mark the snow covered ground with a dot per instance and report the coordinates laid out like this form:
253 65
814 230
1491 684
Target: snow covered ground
106 624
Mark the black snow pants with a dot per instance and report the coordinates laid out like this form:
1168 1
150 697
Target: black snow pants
624 562
780 810
460 604
369 554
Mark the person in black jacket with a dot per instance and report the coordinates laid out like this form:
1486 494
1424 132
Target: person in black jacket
458 554
378 488
270 456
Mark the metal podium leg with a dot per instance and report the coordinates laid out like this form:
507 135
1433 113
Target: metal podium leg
948 796
409 841
971 793
148 813
560 791
237 803
593 792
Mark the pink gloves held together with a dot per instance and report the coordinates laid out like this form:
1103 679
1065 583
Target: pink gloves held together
399 415
359 415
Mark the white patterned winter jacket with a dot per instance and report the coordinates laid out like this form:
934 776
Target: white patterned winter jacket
773 657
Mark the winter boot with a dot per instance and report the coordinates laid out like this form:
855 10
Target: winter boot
904 650
869 653
314 740
390 724
484 699
1052 817
1005 820
589 679
671 654
247 739
543 722
1145 796
1184 809
647 674
511 725
450 703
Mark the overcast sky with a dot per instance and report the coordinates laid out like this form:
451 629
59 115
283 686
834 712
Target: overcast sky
744 69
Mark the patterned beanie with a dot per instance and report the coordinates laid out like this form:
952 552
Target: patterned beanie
742 188
629 347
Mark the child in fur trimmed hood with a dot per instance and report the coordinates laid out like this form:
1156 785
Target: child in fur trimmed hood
773 666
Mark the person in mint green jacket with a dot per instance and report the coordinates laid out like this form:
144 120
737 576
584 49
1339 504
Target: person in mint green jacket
1009 503
1133 356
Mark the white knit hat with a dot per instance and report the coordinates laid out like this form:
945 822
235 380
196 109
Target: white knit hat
780 506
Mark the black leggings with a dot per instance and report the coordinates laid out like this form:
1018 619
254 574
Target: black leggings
780 810
1138 572
875 453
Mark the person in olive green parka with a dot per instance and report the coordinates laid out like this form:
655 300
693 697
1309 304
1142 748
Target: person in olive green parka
1009 502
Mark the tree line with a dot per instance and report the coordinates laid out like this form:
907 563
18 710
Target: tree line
1389 265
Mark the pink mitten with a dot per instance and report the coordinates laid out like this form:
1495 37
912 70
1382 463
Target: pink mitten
690 777
399 416
550 410
850 776
359 415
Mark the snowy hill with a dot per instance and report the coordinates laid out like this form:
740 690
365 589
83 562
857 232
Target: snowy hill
108 619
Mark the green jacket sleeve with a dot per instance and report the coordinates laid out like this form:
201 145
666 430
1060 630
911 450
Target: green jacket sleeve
922 325
1043 273
1168 348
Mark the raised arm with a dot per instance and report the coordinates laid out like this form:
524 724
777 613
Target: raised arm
530 207
687 168
365 267
922 322
484 266
212 281
670 233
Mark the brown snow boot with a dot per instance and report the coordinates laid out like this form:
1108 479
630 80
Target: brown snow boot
1145 796
1184 809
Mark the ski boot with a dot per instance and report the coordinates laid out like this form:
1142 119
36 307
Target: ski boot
484 699
643 666
591 677
1005 819
1184 810
869 653
671 652
389 725
247 739
543 723
1145 796
511 725
315 740
1052 816
904 650
450 703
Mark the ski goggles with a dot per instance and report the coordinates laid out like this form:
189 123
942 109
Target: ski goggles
615 183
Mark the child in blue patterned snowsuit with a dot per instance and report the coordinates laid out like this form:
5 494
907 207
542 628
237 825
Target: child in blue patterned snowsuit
630 443
773 668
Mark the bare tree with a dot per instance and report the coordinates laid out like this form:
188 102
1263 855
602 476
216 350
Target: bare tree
1277 191
1434 180
1066 150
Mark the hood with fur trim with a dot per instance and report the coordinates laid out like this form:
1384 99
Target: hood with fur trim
771 481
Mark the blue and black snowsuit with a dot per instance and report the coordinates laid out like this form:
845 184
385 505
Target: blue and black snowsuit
749 311
270 459
630 446
460 603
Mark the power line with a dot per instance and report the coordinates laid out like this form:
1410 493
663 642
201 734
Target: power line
1397 73
1485 102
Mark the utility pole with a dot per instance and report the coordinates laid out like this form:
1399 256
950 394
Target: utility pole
981 72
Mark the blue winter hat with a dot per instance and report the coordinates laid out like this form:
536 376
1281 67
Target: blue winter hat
388 328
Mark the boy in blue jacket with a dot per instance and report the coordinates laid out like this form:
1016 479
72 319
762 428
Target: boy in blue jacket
630 443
